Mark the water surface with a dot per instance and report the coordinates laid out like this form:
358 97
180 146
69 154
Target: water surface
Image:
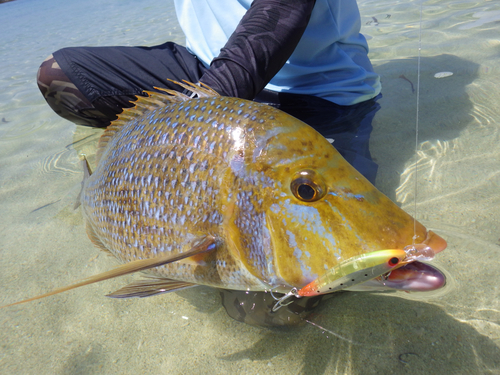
452 179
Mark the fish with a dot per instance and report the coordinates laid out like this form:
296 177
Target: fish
229 193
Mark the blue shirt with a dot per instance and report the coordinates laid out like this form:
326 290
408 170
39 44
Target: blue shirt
330 60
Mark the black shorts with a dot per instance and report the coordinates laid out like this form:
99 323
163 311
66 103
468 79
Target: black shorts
111 77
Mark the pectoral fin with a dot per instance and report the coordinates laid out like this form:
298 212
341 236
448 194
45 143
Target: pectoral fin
207 243
149 287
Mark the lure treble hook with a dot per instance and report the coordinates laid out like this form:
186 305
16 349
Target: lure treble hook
279 304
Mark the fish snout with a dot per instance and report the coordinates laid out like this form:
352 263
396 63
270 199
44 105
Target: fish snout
435 242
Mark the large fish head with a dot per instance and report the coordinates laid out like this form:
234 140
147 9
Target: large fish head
321 210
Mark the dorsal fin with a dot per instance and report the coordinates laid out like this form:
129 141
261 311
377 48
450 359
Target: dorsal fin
201 90
150 102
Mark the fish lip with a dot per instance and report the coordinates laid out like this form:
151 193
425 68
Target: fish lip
435 242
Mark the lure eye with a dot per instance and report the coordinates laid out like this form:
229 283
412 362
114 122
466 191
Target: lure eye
307 186
393 261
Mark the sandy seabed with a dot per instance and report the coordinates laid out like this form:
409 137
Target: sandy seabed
43 243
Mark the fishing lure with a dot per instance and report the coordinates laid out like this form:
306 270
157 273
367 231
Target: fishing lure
357 270
354 271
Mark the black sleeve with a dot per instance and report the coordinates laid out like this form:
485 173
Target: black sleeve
261 44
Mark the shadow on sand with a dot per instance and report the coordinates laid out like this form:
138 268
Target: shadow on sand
444 111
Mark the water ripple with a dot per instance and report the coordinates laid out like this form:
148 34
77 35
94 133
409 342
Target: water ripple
429 160
63 162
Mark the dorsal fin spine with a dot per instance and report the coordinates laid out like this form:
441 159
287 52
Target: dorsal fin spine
152 101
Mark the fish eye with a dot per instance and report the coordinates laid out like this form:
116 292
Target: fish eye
306 192
307 186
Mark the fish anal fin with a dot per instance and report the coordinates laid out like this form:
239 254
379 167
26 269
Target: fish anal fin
149 287
201 245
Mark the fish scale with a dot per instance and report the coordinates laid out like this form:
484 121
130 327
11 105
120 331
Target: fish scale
180 163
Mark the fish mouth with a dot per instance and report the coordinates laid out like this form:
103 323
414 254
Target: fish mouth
417 276
414 277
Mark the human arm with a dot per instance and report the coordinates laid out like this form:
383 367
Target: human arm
259 47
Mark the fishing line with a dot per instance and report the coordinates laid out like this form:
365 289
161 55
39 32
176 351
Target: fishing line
323 329
416 123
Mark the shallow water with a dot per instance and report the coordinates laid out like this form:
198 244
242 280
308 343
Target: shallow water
455 184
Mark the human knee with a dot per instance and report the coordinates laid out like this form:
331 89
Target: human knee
51 80
64 97
43 79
